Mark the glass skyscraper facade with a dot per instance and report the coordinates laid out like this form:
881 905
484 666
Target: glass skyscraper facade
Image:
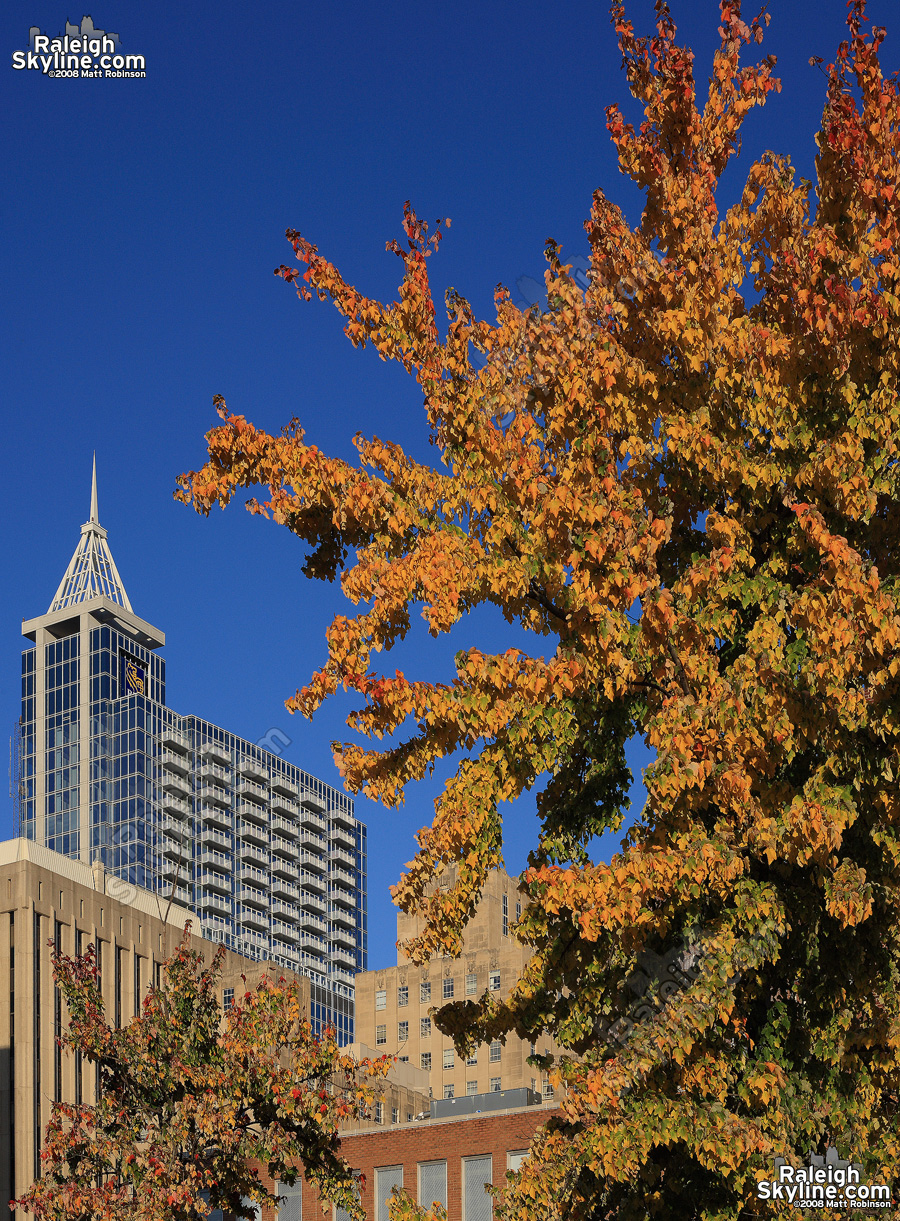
271 860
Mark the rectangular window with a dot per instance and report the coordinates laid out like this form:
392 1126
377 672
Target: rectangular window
448 989
448 1057
118 985
448 1091
425 992
381 999
505 916
227 999
476 1202
546 1087
471 1087
57 1021
496 1051
425 1028
518 911
402 1031
494 981
386 1178
380 1036
289 1201
425 1061
473 1059
495 1085
471 984
432 1184
515 1158
395 1114
403 1059
379 1112
137 986
403 995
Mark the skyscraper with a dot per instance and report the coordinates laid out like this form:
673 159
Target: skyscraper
271 860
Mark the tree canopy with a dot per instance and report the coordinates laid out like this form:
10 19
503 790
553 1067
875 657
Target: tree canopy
685 480
191 1103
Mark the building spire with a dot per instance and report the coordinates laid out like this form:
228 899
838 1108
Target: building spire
92 571
94 517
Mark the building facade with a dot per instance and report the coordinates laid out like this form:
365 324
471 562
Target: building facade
44 895
444 1160
271 860
394 1007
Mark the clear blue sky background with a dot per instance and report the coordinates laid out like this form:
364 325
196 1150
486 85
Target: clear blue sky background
141 221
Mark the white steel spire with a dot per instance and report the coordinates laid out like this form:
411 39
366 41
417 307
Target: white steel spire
92 571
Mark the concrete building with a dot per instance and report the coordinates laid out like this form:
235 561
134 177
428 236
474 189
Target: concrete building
394 1005
271 860
44 895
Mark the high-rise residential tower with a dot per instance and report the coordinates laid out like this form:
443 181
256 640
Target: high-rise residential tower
271 860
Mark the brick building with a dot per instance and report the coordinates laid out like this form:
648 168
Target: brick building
394 1006
448 1160
42 895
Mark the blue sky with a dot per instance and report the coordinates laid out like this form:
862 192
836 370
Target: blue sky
141 223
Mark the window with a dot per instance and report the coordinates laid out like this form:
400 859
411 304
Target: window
379 1112
289 1202
448 1091
515 1158
380 1036
425 992
403 1059
471 1087
341 1214
381 999
448 989
227 998
495 1085
494 981
425 1028
518 911
386 1178
432 1184
477 1203
425 1061
496 1051
403 995
395 1114
402 1031
546 1088
471 984
448 1057
473 1059
505 916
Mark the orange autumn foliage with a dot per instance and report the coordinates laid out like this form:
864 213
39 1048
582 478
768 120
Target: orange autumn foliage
687 479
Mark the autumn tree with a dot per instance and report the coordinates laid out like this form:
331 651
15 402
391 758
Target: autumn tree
191 1103
684 483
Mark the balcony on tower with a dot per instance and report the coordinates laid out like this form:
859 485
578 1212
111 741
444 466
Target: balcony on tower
281 784
253 769
214 815
176 739
215 752
253 832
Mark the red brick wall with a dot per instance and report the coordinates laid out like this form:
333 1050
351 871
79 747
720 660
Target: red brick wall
429 1141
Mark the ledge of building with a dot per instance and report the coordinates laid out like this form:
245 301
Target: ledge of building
94 877
543 1108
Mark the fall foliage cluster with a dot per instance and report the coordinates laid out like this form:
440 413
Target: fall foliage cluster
684 483
189 1101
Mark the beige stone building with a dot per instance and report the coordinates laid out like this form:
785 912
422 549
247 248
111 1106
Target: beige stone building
394 1006
45 895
